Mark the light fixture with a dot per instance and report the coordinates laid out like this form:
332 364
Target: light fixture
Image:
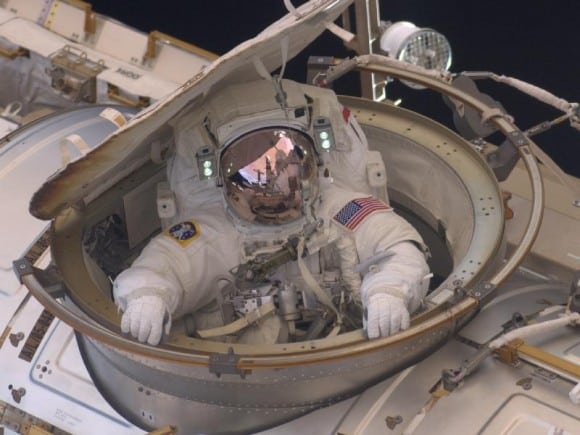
323 134
206 163
424 47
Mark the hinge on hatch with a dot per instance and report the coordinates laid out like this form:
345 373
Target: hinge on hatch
484 292
226 363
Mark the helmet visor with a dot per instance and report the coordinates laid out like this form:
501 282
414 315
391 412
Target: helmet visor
268 175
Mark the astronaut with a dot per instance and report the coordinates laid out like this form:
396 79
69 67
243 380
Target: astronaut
273 196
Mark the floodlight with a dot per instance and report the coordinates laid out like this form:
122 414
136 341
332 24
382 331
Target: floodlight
424 47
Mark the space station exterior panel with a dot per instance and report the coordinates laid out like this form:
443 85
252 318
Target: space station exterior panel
28 34
5 15
75 55
43 374
32 10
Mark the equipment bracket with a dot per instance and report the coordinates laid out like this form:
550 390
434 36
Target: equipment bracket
226 363
484 292
48 278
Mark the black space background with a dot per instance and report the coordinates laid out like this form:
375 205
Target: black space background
536 41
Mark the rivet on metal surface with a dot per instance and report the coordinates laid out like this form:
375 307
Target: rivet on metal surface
525 383
16 338
508 211
17 394
392 422
576 203
22 267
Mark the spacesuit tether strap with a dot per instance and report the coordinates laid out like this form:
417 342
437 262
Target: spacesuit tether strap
313 285
241 323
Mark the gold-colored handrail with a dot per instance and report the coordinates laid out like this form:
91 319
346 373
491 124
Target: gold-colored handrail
13 54
519 348
114 94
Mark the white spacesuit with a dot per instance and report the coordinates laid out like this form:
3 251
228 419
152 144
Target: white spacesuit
290 207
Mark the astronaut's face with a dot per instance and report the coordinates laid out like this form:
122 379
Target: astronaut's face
269 174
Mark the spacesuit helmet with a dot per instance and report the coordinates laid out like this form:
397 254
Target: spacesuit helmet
270 175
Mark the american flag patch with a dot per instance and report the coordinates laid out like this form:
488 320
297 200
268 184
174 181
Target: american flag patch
352 214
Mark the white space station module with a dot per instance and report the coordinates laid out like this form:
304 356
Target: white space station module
92 111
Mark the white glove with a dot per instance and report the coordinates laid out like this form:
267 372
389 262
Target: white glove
144 318
386 315
574 394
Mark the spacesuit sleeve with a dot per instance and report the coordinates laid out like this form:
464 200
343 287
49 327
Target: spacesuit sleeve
163 268
394 263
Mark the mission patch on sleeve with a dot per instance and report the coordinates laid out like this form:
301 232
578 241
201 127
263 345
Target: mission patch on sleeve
184 232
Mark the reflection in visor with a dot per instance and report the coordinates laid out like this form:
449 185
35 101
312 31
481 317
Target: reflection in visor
265 174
